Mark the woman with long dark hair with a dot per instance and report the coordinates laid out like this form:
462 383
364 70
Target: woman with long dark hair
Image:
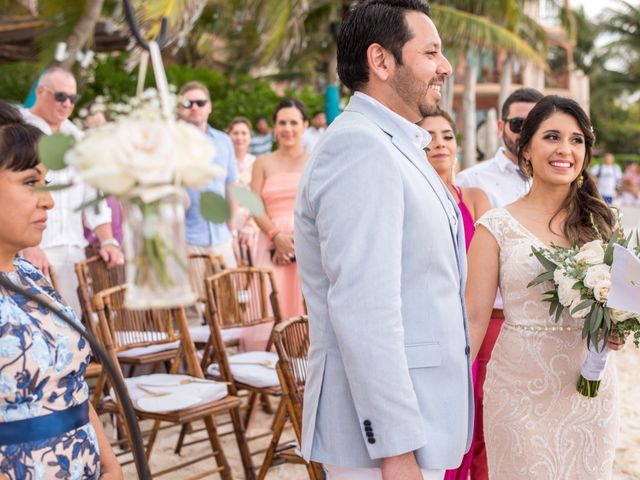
48 428
536 424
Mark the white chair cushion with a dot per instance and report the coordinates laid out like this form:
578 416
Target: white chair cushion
124 337
183 391
246 368
200 334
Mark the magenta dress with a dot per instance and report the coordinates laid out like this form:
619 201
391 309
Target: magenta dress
462 472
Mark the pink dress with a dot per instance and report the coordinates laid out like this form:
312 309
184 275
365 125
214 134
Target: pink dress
462 472
279 197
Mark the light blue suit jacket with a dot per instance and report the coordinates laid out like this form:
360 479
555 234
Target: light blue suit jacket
380 250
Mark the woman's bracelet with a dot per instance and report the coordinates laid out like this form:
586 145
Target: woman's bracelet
272 233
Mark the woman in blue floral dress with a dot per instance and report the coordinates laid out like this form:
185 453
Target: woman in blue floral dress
48 429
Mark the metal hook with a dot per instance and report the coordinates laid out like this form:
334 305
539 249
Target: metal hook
135 30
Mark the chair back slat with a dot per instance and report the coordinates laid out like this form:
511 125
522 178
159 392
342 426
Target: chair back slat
291 339
202 266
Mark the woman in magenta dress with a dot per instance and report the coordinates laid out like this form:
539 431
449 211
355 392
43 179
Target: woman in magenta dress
473 203
275 177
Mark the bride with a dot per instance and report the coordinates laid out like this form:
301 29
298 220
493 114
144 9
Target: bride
536 424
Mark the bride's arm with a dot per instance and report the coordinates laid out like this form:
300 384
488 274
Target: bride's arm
482 285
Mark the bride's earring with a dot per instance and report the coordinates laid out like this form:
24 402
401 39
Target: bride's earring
528 169
580 181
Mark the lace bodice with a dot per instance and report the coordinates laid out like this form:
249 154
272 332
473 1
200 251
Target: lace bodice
522 305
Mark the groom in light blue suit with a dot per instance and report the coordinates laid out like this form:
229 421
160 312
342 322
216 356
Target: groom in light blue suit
380 249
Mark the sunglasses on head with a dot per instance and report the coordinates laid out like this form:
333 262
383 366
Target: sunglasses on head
189 103
515 124
62 97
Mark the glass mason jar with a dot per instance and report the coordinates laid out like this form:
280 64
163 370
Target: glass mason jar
157 269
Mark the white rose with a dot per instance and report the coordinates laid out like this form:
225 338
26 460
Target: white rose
146 151
601 290
110 179
93 150
597 274
195 167
583 312
591 253
620 315
566 293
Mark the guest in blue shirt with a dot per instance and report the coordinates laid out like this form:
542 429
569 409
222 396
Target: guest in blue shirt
204 236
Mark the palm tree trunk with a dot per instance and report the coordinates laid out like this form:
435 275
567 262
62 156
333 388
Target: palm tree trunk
469 114
505 82
82 31
446 103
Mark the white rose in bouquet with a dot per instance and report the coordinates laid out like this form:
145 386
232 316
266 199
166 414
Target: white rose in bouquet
620 315
591 253
597 274
195 153
146 150
582 313
601 290
566 293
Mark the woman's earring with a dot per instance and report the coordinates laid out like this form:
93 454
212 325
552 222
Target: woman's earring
580 181
528 169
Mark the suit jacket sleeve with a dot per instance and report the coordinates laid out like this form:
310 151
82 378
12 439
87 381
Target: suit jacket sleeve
356 191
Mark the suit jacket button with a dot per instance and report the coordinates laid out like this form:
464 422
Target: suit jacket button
368 429
367 423
371 440
467 350
369 433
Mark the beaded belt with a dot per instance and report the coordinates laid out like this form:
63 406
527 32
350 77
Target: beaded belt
534 328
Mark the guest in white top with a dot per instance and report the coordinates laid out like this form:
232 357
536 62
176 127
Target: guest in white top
608 177
314 132
63 241
503 182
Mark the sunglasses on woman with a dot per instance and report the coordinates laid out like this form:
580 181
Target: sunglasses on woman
62 97
515 124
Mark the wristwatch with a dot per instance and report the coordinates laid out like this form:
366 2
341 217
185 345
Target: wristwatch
110 241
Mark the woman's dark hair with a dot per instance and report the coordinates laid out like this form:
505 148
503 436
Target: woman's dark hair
291 103
239 120
444 114
584 205
18 140
373 21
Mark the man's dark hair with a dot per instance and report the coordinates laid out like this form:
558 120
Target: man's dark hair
523 95
18 140
316 113
291 103
373 21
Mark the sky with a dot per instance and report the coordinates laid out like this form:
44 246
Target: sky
592 7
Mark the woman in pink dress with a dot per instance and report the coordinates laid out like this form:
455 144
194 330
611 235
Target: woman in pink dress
473 203
275 177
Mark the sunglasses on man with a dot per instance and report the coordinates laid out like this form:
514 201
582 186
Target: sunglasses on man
62 97
515 123
189 103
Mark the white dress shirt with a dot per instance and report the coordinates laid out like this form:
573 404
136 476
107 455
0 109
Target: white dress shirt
501 180
311 136
65 224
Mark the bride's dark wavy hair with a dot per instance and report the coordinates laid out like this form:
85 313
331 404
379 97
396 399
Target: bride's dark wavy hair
584 206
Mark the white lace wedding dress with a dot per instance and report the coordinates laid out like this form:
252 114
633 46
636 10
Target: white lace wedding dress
536 425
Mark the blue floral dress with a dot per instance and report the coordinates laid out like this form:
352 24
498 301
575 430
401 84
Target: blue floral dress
42 367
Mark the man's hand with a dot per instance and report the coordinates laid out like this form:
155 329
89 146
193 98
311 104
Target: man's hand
111 255
402 467
39 259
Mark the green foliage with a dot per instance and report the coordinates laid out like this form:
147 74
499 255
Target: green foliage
214 207
16 79
51 150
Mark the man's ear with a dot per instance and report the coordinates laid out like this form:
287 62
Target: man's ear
500 128
381 62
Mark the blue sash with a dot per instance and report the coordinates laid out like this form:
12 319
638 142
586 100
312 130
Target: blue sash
44 426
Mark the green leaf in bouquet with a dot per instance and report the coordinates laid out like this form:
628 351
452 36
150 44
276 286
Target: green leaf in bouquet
54 188
51 150
247 199
581 306
543 277
559 311
578 285
627 240
596 318
607 320
585 329
214 207
546 263
608 253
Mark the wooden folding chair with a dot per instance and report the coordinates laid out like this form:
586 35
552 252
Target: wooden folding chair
291 338
123 329
241 298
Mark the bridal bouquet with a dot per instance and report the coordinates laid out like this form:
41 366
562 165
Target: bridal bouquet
146 158
581 280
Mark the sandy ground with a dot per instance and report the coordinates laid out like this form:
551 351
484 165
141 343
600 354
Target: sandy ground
627 464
